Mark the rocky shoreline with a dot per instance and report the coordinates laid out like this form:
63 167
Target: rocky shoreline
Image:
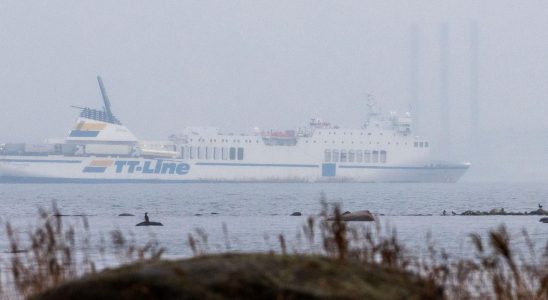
248 276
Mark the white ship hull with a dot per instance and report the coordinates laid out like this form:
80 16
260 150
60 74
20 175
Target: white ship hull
117 169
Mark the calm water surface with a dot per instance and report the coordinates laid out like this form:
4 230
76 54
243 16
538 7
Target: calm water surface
256 213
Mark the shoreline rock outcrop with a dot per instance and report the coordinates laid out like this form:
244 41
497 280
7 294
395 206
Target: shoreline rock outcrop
247 276
502 212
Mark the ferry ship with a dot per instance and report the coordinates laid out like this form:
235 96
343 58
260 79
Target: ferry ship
99 148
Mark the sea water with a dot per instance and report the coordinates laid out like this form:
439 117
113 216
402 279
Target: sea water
255 214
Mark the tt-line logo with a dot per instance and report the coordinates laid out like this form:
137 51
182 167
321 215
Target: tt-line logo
134 166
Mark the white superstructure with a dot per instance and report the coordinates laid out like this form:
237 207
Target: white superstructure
99 148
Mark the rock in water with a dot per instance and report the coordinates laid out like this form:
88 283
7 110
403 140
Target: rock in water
544 220
126 215
296 214
360 215
150 224
539 212
247 276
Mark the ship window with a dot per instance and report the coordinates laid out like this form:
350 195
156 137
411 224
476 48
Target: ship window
327 156
351 156
375 156
192 153
216 153
426 144
366 156
240 153
416 144
421 144
335 155
344 156
359 156
187 152
200 152
182 152
383 156
208 153
224 153
232 154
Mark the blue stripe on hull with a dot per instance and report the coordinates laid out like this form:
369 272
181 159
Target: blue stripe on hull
61 161
406 168
95 169
82 133
257 165
25 180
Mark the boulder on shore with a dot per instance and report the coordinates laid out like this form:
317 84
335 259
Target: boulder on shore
126 215
544 220
296 214
360 215
150 224
247 276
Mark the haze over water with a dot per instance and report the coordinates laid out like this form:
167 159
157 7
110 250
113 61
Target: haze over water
245 64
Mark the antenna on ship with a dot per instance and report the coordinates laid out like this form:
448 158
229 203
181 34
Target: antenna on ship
371 109
108 112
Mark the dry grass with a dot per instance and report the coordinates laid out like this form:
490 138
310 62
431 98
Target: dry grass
50 255
494 271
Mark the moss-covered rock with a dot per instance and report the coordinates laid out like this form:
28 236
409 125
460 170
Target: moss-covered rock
247 276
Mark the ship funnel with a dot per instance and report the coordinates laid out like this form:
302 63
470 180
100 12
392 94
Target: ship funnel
108 111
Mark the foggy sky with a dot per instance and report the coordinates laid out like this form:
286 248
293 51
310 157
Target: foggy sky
243 64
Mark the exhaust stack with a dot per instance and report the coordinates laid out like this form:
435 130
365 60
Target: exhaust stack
108 111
